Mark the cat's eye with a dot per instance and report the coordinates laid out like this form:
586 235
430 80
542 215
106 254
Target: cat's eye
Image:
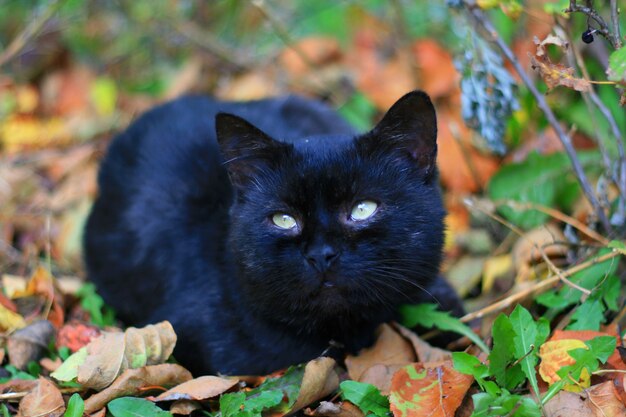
284 221
363 210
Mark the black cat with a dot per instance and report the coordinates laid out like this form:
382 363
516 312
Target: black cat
261 243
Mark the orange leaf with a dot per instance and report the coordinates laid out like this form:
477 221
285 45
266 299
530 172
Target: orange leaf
554 356
434 391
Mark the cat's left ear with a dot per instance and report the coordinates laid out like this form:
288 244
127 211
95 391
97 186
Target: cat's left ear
410 125
246 149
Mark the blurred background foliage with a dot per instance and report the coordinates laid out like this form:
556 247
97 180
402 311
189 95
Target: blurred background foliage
75 72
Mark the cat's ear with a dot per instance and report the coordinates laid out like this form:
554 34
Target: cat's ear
410 125
246 149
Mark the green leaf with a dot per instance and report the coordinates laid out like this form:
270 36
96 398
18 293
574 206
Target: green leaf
427 315
100 314
617 66
4 410
489 405
539 180
232 404
366 397
75 406
524 343
602 347
470 365
588 316
135 407
68 370
502 354
611 290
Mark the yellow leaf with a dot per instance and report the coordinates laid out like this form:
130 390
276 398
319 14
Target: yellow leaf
554 356
9 320
494 268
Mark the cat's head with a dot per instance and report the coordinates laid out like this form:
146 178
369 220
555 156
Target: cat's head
327 235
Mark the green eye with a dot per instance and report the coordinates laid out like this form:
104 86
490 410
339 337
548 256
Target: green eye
363 210
284 221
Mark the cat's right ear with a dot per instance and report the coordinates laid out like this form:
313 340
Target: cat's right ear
246 149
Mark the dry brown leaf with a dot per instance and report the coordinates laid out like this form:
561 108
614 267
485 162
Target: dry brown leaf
30 343
133 381
329 409
549 40
568 404
526 251
201 388
112 353
605 400
557 74
380 376
435 391
184 407
18 385
390 349
320 379
425 352
104 361
44 400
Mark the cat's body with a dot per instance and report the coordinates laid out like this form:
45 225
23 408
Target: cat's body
260 265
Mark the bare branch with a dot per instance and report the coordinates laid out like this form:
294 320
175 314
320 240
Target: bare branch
615 21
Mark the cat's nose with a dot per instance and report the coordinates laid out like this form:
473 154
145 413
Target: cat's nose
321 258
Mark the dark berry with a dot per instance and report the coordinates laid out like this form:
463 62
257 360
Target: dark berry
587 36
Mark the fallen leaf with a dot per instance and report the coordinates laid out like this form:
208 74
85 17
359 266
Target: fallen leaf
184 407
320 379
44 399
425 352
9 320
526 251
554 356
605 401
133 381
201 388
568 404
18 385
30 343
103 359
494 268
438 391
390 349
329 409
380 376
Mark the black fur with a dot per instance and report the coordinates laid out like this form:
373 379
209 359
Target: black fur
183 232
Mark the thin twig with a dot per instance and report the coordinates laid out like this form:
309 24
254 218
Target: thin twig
537 288
485 22
580 226
31 30
615 20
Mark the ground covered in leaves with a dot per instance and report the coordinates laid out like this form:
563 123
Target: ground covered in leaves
534 252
